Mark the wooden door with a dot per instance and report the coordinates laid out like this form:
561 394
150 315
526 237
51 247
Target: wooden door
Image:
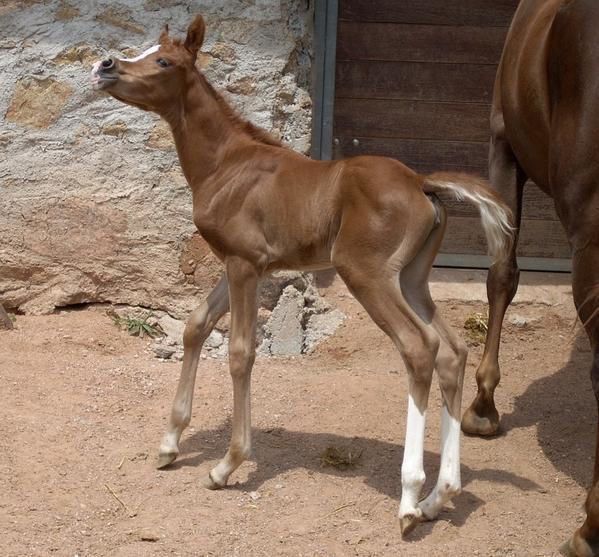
414 81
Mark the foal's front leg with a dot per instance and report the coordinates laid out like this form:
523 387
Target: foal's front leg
198 327
243 287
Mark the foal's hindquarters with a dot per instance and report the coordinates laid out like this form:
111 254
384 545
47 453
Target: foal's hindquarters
388 234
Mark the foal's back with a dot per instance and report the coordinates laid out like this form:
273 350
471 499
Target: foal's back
297 205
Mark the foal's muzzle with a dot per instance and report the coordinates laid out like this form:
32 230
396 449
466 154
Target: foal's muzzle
103 73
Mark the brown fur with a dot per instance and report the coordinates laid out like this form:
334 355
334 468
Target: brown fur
544 127
262 207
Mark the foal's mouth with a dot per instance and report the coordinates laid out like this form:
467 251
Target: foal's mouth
102 82
100 79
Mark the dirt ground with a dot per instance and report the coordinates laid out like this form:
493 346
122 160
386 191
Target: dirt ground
83 407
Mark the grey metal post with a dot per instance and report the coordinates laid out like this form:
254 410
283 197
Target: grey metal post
325 46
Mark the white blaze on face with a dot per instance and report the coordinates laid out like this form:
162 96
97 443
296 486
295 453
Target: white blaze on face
150 50
95 73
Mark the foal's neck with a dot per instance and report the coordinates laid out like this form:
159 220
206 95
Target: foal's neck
205 128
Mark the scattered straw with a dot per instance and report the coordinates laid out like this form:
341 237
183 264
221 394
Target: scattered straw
340 458
476 326
335 511
127 509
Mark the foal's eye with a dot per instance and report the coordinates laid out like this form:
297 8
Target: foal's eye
162 63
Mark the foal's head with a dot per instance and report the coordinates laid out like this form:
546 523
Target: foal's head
156 78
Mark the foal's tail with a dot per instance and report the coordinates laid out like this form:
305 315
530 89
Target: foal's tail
495 215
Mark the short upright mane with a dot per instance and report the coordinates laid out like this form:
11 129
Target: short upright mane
240 123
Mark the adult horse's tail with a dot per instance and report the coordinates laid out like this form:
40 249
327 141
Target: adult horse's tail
495 215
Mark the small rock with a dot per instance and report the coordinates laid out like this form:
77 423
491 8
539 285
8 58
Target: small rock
254 495
149 537
320 326
215 340
284 328
273 287
5 320
173 328
520 320
163 351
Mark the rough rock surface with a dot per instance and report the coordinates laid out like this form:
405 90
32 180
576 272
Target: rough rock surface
284 333
5 321
94 206
296 324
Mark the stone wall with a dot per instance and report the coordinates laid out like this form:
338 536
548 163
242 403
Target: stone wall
93 206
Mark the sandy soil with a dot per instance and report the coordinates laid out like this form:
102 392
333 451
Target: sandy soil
83 407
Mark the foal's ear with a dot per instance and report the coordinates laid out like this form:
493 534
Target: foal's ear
164 38
195 35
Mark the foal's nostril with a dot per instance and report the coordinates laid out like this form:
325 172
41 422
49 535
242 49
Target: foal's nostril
108 64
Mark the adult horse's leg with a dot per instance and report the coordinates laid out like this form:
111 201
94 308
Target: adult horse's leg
450 365
198 327
243 288
585 287
506 176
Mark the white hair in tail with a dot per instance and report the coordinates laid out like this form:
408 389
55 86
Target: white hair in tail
495 216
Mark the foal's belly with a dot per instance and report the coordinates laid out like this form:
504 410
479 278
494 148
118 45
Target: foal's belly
307 259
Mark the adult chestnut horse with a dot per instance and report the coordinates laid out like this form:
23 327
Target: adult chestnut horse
262 207
545 126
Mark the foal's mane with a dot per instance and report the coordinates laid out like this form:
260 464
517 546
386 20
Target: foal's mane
239 122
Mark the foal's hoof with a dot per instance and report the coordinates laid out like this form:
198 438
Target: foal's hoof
164 459
485 426
209 483
408 522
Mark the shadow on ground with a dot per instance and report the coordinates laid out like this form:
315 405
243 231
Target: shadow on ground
562 406
277 451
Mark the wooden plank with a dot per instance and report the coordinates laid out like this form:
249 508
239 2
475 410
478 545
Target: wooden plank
535 206
411 119
483 13
396 42
424 156
429 156
538 238
415 81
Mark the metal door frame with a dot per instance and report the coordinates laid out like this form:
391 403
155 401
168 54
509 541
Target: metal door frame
326 14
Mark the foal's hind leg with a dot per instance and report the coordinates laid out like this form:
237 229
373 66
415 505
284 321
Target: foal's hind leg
199 326
450 365
372 277
506 176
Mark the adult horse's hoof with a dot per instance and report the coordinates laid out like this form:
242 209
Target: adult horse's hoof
566 549
577 547
165 459
485 426
408 523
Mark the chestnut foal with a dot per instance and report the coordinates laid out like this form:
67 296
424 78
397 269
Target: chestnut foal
262 207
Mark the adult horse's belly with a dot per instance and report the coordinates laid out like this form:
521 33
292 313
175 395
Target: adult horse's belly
523 88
